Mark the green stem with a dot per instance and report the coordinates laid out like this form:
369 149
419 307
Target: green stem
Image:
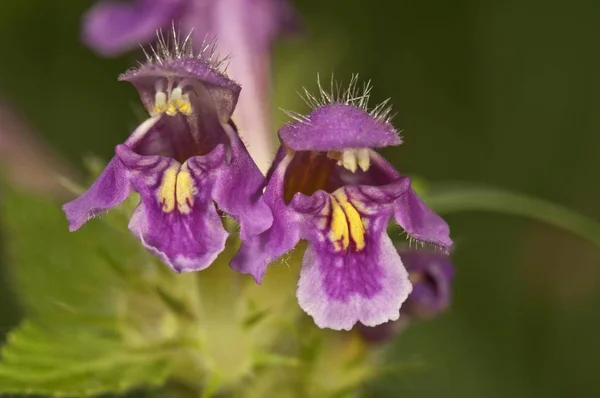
453 199
214 381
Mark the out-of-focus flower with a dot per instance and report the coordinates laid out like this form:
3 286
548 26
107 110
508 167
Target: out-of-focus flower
244 29
25 160
180 160
328 186
431 273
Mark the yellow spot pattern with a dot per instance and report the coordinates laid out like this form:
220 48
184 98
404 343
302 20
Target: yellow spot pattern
357 230
346 224
177 190
339 227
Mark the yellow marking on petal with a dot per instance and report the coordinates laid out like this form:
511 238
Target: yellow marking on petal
166 192
357 230
346 223
339 227
177 189
185 190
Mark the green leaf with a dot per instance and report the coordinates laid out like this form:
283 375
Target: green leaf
96 324
76 363
67 274
451 199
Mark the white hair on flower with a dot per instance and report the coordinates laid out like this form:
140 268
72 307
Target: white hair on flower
173 47
353 95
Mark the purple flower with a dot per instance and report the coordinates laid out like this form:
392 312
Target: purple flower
431 273
183 159
244 29
329 187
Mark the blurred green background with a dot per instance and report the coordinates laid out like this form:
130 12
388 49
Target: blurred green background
503 93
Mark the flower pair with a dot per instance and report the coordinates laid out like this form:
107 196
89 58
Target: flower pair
327 186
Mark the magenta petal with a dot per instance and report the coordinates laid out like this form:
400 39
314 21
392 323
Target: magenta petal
367 287
183 242
337 127
410 212
256 252
238 189
112 28
109 190
420 222
176 218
